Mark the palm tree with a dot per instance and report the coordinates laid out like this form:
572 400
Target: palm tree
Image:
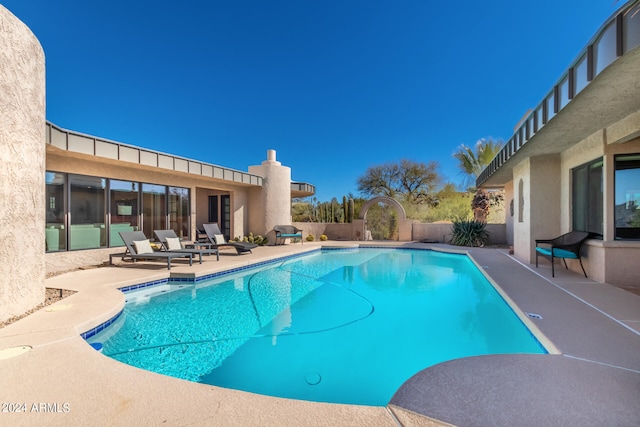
472 162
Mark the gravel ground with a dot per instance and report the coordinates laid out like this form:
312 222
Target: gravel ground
51 296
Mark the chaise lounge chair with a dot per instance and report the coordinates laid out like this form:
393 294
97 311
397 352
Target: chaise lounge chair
565 246
215 237
138 247
171 243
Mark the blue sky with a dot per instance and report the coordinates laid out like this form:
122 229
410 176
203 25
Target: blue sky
333 86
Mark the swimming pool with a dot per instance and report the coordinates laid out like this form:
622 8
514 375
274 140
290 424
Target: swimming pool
343 326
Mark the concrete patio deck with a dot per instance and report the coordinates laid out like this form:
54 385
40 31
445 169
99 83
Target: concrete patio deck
595 380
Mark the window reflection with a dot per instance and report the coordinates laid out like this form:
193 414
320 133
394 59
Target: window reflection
55 233
587 194
551 109
539 119
631 28
87 212
154 208
77 208
563 89
604 50
124 209
627 199
179 211
581 74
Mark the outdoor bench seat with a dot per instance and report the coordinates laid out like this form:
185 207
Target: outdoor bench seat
287 232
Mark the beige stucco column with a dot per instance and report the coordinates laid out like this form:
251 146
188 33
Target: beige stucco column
273 204
536 203
22 167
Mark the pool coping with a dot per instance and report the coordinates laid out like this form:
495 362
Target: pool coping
62 368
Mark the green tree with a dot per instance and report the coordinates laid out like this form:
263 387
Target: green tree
473 161
411 181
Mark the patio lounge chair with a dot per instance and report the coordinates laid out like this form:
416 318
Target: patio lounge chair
565 246
171 243
138 247
215 237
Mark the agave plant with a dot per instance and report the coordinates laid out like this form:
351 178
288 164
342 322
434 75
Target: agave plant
469 233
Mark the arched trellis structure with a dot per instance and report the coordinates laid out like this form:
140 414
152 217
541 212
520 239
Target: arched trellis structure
387 201
404 224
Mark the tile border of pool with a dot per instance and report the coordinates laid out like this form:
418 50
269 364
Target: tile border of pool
101 327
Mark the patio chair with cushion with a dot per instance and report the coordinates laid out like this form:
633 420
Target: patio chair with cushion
216 238
284 232
172 243
139 247
565 247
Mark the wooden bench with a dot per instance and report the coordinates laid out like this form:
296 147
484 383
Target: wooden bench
287 232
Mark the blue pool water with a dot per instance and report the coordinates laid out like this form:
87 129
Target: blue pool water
344 326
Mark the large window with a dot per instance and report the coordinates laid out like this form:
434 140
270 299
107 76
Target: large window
55 232
627 203
588 198
124 209
87 212
154 208
179 211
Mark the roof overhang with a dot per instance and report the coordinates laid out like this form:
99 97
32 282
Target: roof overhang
78 145
302 189
610 97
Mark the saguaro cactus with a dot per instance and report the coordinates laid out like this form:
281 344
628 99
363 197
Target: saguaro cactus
345 207
351 210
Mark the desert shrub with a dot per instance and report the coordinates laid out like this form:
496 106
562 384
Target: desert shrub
257 239
469 233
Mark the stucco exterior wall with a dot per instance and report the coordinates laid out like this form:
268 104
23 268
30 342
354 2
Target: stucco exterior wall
441 232
536 203
62 262
22 158
521 224
509 215
544 199
239 216
624 130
